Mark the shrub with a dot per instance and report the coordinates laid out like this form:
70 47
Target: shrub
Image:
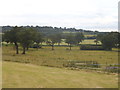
91 47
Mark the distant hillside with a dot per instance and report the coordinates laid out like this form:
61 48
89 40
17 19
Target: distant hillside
49 30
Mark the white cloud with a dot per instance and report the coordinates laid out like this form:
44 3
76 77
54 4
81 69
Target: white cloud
69 13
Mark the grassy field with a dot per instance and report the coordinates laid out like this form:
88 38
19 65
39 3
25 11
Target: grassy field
90 41
46 55
20 75
86 41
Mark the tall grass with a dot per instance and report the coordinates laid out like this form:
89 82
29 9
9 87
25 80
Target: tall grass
60 56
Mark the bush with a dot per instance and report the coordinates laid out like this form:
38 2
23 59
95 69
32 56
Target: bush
91 47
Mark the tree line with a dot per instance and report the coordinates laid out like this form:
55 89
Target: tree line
26 37
109 40
46 29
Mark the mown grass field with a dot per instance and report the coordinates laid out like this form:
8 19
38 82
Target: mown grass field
20 75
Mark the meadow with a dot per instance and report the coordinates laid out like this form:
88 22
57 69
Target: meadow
21 75
19 70
60 53
59 56
87 41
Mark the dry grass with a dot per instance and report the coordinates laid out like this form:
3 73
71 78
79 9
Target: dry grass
61 54
26 75
16 75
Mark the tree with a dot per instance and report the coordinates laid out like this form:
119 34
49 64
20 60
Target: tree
4 39
79 37
52 40
108 42
58 38
39 38
115 36
26 37
119 40
70 39
99 37
13 37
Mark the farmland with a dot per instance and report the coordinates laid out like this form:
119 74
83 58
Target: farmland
32 67
59 44
39 56
58 68
19 75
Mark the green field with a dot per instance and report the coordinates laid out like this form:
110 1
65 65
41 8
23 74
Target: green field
86 41
31 71
91 41
47 55
20 75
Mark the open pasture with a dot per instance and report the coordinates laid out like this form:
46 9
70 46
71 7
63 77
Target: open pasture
46 55
20 75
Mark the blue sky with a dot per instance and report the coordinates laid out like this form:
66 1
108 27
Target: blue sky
101 15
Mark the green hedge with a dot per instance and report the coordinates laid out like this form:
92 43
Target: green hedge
91 47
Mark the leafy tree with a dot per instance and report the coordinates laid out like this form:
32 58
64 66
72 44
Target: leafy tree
12 37
70 39
99 37
79 37
108 42
115 36
58 38
4 39
119 40
39 38
26 37
52 40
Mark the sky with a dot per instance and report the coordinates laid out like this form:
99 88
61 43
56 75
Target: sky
100 15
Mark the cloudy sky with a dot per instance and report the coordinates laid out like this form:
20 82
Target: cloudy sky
101 15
